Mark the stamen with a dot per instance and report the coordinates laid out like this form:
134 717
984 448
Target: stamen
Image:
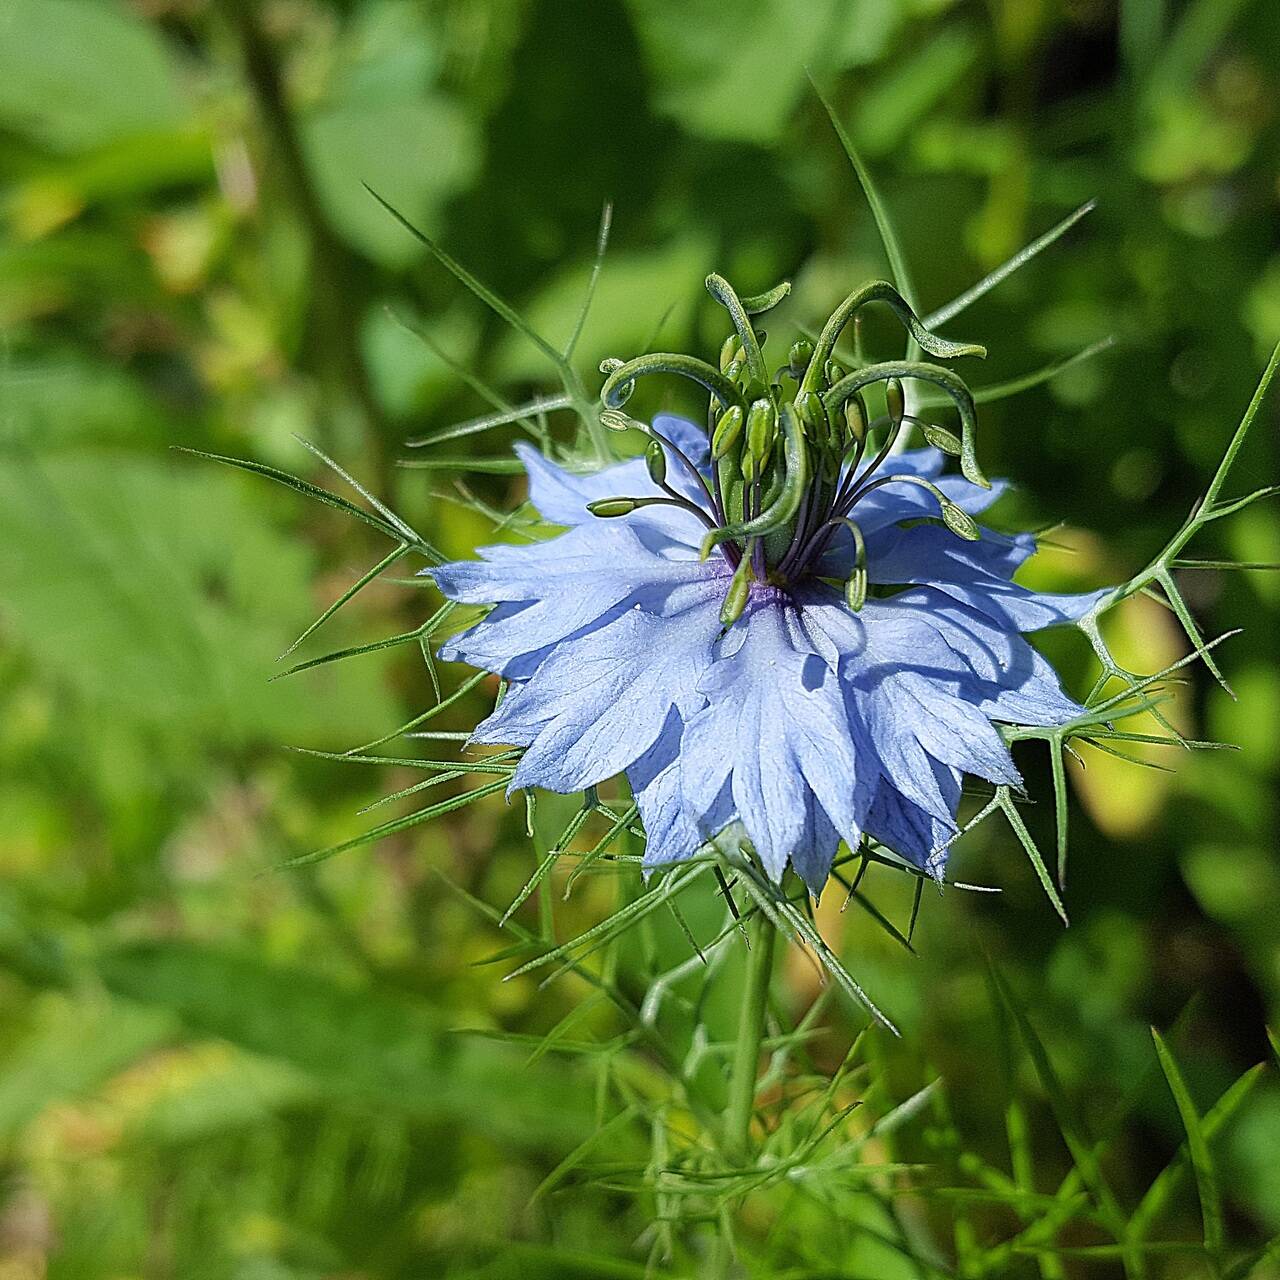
787 471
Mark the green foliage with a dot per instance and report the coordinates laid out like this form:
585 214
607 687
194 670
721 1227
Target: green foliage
210 1072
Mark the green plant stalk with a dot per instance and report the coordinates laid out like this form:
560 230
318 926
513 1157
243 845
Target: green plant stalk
335 312
746 1051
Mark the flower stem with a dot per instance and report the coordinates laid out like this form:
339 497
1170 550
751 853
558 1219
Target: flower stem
743 1073
746 1053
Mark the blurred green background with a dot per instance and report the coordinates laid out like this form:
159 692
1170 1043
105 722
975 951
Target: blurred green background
209 1071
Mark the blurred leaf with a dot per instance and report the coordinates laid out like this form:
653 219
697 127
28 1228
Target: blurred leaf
729 74
384 124
73 399
375 1046
161 595
1122 798
910 87
74 1046
63 64
619 325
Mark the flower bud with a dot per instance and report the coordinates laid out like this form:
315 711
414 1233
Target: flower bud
834 371
727 432
611 364
656 460
733 370
612 506
813 416
799 356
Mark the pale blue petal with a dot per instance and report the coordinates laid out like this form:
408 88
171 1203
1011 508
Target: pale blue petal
674 830
561 496
606 695
776 729
920 837
687 436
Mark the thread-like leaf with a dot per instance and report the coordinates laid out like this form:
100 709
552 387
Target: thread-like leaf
1020 259
1197 1148
1005 801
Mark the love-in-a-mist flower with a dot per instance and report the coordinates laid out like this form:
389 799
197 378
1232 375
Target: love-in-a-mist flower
777 622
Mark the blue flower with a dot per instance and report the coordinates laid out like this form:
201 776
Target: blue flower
689 628
805 721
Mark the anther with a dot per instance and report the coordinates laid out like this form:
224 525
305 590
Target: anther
607 507
735 601
727 432
895 402
729 352
655 459
947 441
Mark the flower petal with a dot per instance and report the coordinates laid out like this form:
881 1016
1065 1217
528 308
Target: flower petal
599 702
673 831
776 729
909 830
561 496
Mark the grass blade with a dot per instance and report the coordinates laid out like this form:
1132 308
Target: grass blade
602 243
385 563
298 485
1197 1148
1216 1118
486 422
1073 1133
394 826
1024 382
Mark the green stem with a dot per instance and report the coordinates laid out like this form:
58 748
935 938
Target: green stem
746 1052
335 310
744 1072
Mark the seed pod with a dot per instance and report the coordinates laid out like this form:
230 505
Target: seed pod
607 507
941 438
656 460
895 401
728 431
960 522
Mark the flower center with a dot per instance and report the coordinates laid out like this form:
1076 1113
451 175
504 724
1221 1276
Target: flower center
795 449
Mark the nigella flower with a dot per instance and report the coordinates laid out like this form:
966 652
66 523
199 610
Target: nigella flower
778 622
